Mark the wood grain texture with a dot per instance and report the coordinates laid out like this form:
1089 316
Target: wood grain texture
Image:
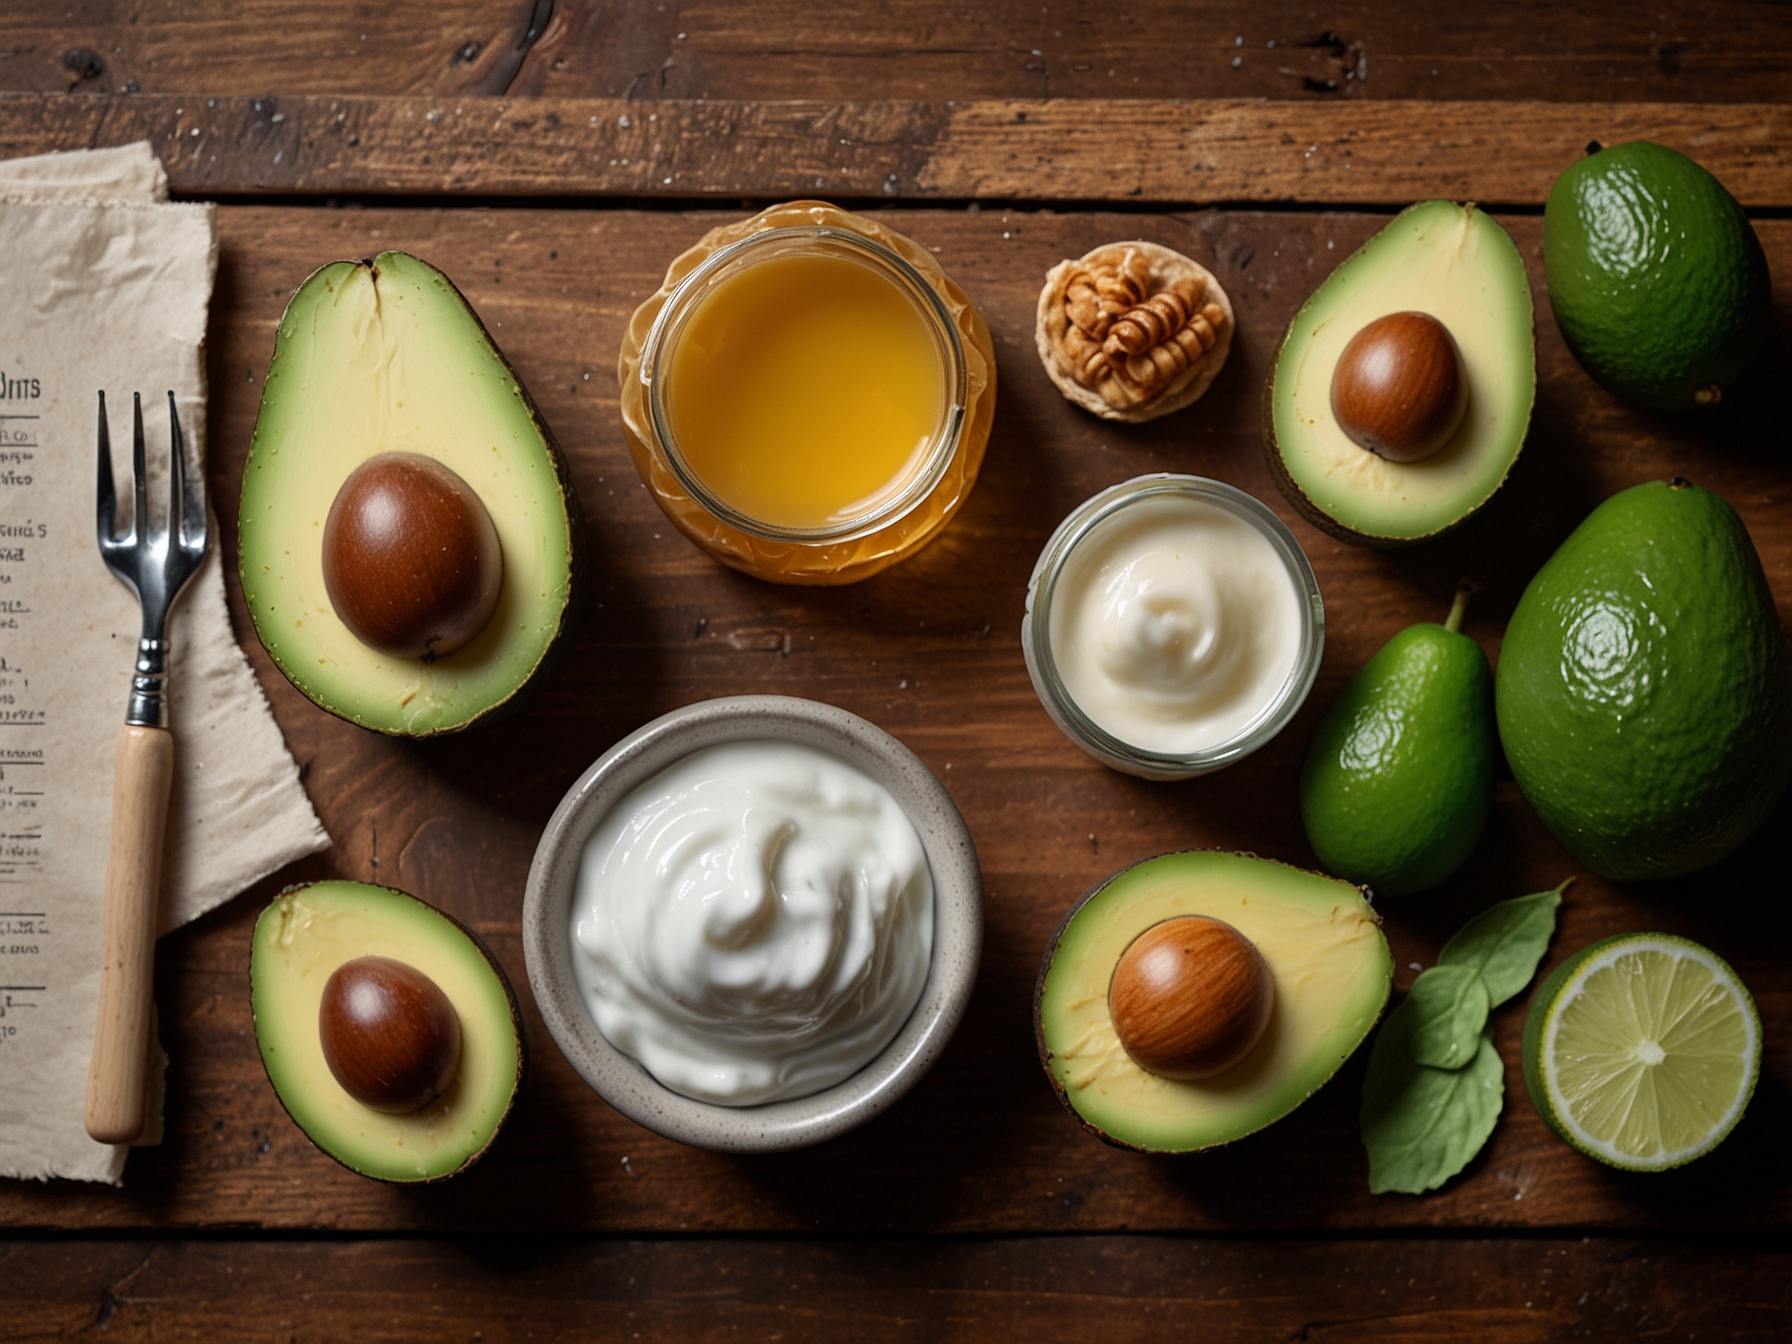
1130 151
929 651
1119 1289
141 777
926 49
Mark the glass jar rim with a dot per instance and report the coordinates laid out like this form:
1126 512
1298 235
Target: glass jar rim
683 301
1042 664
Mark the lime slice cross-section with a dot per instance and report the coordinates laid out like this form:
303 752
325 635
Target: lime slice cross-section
1642 1051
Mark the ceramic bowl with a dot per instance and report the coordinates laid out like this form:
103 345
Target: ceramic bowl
957 928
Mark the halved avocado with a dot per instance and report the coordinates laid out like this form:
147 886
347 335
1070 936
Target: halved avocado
299 941
1330 965
1455 263
386 356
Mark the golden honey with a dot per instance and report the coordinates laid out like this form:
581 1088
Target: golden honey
808 395
805 391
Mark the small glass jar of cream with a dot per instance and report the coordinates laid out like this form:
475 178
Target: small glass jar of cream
1173 626
808 395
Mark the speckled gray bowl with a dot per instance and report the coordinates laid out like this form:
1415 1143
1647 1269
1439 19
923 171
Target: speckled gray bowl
957 925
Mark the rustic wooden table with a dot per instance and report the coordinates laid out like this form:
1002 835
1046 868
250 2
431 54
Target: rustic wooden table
552 157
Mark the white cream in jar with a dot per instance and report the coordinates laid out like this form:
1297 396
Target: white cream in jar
1175 624
754 923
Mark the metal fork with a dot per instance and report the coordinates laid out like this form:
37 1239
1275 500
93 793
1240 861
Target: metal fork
155 563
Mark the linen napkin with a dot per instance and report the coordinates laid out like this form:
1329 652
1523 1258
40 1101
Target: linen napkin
106 287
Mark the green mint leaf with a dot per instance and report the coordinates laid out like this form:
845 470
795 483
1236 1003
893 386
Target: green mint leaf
1506 941
1449 1005
1423 1125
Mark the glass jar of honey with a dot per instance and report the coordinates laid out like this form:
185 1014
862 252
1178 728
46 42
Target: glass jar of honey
808 395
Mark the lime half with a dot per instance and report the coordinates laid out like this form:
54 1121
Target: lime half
1642 1051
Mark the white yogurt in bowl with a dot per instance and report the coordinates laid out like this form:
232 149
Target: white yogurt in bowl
753 923
774 908
1173 626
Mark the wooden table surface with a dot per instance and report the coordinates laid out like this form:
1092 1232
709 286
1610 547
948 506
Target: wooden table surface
552 158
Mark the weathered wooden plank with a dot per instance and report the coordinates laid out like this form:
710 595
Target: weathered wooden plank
1118 1289
1679 50
930 651
1132 151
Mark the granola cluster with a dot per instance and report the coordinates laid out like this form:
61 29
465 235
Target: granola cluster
1127 343
1131 325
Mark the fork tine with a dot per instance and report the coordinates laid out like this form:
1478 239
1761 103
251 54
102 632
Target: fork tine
140 495
186 495
196 524
177 472
108 499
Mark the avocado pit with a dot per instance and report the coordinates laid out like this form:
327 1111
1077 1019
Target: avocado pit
1190 998
1399 389
389 1034
411 559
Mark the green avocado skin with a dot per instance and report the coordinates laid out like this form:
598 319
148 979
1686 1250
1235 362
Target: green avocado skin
1643 689
1658 281
1399 777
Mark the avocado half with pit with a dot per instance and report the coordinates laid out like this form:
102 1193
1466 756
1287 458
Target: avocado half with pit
305 938
1327 960
1454 263
380 358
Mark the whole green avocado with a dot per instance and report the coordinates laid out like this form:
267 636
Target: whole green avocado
1657 279
1643 693
1399 777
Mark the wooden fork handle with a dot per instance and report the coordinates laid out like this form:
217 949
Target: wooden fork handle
133 885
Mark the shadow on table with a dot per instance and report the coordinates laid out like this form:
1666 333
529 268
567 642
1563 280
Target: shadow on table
603 683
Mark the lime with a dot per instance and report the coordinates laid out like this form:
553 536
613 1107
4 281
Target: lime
1657 279
1642 1051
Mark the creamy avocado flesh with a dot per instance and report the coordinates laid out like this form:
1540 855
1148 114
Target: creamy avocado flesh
385 357
299 941
1455 263
1326 954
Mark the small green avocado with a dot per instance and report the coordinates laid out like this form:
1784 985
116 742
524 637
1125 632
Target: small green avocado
1448 262
1328 973
1658 281
389 1032
1643 694
1399 778
409 539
